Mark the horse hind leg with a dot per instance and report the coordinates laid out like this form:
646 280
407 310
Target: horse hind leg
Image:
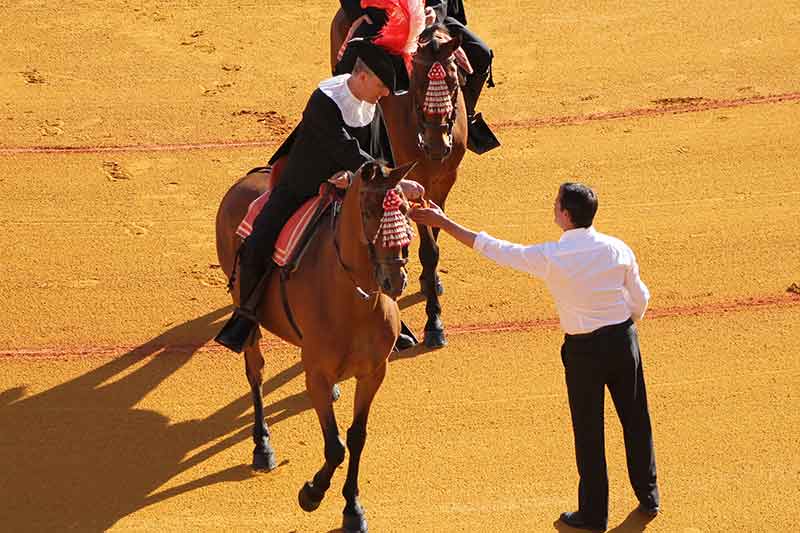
263 454
313 492
353 519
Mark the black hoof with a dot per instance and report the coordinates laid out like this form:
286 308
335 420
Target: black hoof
264 460
354 523
335 392
309 498
435 339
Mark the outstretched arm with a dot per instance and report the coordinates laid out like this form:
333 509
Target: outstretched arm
435 218
530 259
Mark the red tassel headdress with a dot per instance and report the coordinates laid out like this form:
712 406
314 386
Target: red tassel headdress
406 20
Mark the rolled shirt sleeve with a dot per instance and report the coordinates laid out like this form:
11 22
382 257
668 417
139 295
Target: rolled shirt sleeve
530 259
636 293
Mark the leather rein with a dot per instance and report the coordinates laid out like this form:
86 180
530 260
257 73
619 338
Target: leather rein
373 256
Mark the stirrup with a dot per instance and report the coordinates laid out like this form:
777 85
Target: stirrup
480 138
238 332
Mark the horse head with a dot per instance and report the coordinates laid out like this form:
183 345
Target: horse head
434 90
386 229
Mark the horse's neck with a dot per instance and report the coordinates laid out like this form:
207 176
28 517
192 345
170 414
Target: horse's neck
349 236
400 120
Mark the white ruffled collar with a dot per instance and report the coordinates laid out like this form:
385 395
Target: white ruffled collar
356 113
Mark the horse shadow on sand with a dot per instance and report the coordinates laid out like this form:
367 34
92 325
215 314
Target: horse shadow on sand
82 456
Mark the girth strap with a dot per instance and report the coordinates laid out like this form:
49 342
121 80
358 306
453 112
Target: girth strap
285 300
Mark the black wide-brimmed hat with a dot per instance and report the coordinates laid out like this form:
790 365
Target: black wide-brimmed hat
390 68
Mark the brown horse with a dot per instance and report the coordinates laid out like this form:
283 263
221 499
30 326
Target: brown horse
436 141
342 298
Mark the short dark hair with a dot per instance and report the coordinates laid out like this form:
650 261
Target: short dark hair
580 202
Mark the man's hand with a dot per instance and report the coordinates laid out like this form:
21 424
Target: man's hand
342 179
412 189
429 216
430 16
434 217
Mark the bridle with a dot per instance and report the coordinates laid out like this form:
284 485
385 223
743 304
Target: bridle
423 123
376 261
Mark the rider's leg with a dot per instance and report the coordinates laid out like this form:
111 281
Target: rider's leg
480 57
255 262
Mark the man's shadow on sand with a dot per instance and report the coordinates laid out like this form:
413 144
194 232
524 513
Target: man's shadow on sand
81 455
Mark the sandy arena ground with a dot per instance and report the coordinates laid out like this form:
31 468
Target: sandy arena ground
121 125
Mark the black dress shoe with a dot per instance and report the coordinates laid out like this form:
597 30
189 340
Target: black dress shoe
575 520
648 510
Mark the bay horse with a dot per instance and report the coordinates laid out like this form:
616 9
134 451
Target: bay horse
437 141
342 298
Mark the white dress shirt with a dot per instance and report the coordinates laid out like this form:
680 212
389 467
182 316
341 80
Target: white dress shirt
594 278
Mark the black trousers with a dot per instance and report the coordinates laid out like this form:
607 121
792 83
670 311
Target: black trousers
608 357
256 253
480 57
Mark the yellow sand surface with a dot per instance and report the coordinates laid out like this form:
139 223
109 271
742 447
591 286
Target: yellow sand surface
116 410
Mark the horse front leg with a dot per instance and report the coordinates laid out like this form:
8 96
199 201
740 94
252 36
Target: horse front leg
431 287
353 520
313 492
263 454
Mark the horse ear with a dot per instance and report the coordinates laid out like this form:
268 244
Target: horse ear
369 171
401 172
450 46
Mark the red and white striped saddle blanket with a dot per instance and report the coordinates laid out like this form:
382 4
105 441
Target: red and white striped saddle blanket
292 233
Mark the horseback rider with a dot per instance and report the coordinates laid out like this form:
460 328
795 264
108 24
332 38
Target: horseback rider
451 14
334 137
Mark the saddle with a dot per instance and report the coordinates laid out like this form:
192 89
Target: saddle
301 227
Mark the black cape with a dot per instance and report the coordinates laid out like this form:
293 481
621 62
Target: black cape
322 144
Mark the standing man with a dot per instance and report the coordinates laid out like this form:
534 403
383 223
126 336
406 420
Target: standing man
594 280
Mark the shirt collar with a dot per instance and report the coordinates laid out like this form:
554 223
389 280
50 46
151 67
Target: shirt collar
577 233
356 113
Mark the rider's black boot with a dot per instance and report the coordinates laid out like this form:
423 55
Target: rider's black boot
240 330
480 138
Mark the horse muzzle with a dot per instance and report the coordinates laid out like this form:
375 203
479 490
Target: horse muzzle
438 151
393 282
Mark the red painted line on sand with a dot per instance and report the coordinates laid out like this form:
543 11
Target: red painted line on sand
133 148
693 105
705 309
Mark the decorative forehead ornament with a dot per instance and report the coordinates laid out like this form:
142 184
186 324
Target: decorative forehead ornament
394 228
437 100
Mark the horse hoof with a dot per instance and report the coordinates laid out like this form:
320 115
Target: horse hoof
308 498
354 523
335 392
435 339
264 461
